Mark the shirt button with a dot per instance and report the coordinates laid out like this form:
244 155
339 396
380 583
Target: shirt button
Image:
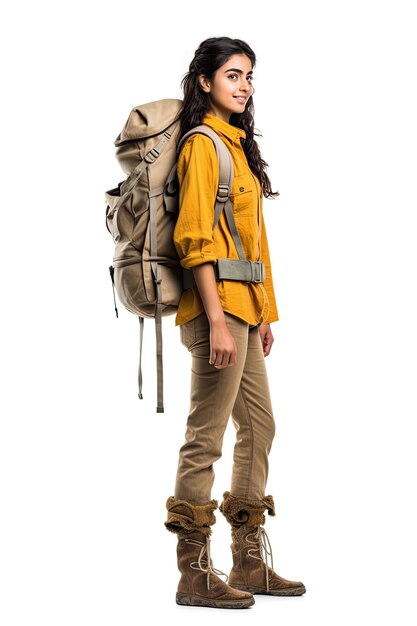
241 189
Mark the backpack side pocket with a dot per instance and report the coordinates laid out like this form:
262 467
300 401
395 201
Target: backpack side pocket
119 219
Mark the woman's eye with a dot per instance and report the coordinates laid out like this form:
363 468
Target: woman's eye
249 78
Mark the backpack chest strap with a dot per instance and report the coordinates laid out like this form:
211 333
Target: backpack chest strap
230 269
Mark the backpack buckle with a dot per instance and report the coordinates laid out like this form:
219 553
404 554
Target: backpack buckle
222 193
152 155
257 271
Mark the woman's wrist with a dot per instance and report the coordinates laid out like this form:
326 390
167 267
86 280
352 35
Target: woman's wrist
217 319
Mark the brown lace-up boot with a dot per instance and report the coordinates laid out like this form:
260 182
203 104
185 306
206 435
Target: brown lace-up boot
199 584
251 547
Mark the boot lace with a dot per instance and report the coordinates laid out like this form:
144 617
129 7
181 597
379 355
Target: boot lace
263 548
204 562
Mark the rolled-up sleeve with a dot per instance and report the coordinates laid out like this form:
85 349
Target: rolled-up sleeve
198 177
269 283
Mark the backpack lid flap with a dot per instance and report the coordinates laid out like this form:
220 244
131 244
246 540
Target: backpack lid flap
149 119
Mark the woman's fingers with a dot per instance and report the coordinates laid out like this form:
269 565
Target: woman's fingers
221 359
223 349
224 357
267 338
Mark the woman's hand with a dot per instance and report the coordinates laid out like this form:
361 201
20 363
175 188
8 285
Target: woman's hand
267 338
223 349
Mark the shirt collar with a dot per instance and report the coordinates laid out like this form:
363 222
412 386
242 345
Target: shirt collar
232 132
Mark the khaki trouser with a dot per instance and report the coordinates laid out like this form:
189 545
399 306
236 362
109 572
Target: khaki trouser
240 390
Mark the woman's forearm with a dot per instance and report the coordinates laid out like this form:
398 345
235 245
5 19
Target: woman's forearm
207 287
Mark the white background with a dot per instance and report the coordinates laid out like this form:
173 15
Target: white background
86 467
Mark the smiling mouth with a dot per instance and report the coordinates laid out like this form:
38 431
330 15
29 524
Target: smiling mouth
240 98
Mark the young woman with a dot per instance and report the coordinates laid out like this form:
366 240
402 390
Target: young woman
225 324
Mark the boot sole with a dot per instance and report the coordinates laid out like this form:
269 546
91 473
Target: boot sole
185 599
294 591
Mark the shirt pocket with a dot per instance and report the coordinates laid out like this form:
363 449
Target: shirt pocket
243 196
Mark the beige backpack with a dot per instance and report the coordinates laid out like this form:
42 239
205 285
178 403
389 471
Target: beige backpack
141 213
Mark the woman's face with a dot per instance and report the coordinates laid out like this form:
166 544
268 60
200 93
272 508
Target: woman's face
231 86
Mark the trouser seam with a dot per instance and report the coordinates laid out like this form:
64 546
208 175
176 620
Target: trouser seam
251 442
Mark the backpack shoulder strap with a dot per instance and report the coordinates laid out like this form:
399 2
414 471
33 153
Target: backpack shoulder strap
226 173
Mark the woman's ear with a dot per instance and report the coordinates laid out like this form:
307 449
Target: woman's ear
204 83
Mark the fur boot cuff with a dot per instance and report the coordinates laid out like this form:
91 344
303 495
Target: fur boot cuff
184 517
244 512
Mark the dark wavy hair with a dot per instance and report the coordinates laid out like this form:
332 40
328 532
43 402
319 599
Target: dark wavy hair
211 54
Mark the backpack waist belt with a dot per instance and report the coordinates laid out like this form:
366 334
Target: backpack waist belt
230 269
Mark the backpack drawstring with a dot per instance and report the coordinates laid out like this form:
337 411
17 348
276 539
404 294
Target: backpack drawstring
111 268
141 320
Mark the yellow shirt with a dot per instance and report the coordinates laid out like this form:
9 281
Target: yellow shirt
198 176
